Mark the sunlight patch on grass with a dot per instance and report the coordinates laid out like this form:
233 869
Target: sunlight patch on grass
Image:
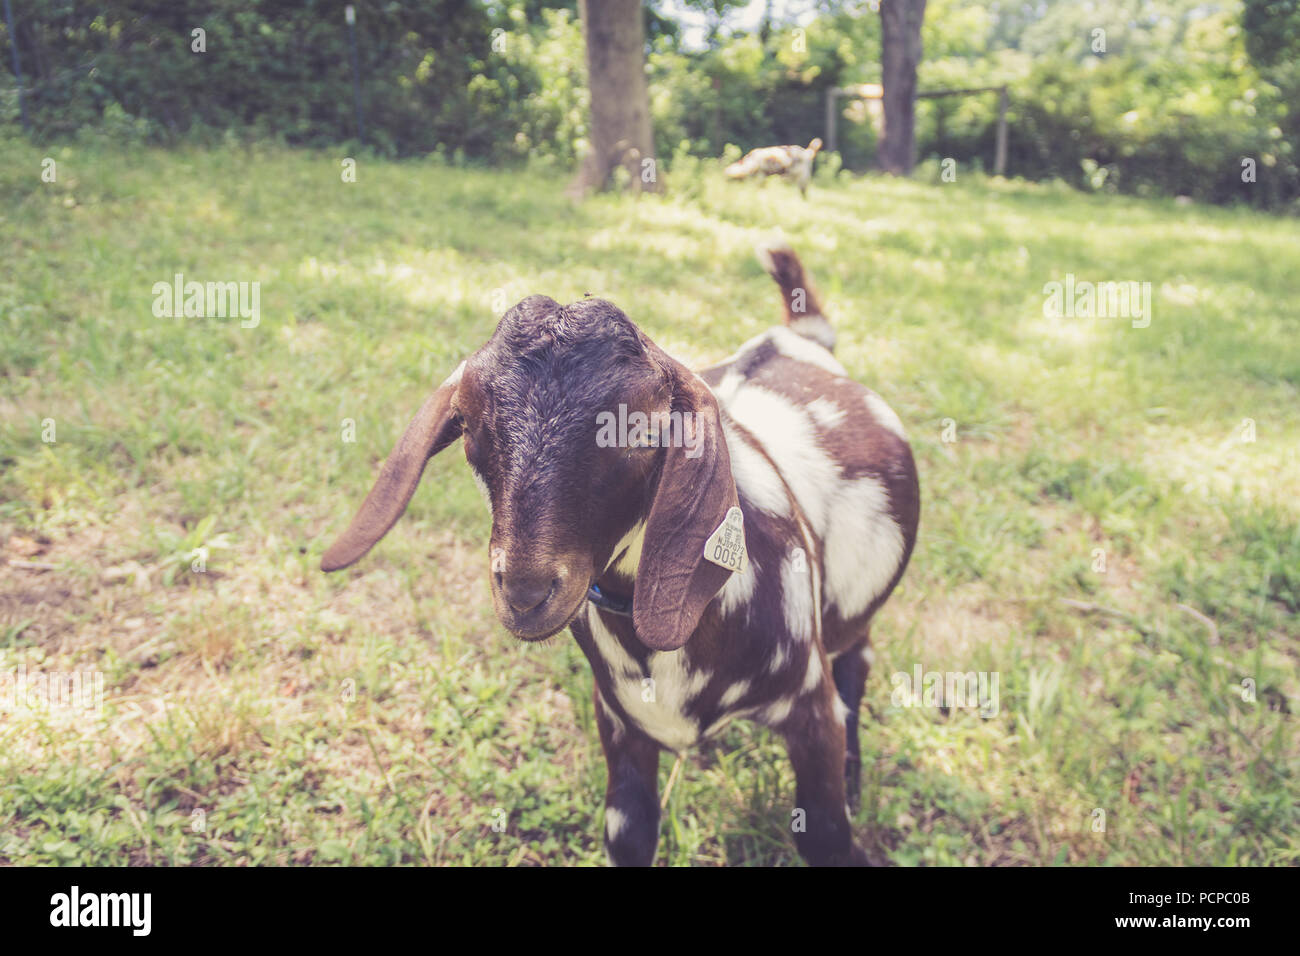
1221 465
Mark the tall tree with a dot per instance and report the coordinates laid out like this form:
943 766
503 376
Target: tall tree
620 104
900 53
1272 33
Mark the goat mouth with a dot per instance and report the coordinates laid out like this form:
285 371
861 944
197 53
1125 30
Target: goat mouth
524 629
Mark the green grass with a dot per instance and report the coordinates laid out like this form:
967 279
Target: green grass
259 712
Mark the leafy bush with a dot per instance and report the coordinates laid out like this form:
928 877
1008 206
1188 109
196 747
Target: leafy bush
279 68
1171 101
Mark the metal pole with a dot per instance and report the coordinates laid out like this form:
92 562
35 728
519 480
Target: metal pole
1000 157
18 69
350 15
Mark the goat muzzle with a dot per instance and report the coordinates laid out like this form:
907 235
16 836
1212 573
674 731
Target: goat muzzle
537 603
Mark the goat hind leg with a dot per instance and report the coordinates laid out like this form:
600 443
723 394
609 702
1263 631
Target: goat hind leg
814 735
850 670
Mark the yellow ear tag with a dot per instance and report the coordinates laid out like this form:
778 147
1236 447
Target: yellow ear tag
726 546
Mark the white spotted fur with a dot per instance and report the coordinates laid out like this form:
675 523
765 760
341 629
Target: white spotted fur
885 416
862 544
797 604
676 684
826 413
631 543
615 822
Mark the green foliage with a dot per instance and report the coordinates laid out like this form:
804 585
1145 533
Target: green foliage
277 69
1162 101
550 108
1272 31
1152 97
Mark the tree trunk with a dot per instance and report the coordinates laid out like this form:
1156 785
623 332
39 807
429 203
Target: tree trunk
620 104
900 52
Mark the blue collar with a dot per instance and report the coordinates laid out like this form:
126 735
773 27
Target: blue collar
622 606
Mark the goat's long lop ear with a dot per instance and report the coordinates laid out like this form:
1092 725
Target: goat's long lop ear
696 489
435 426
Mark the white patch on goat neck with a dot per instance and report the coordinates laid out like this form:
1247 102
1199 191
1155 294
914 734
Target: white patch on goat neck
631 543
826 413
885 416
622 666
840 709
675 685
863 545
797 598
615 822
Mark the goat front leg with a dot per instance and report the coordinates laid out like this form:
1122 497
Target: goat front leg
814 736
631 794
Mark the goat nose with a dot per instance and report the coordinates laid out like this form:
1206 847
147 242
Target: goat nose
526 592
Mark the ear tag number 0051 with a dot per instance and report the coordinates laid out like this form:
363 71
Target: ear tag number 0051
726 546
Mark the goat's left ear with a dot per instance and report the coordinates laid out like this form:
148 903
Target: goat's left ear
674 583
435 426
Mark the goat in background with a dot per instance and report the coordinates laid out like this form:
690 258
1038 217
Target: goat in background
795 162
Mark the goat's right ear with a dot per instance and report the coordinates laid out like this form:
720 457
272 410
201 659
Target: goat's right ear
696 492
435 426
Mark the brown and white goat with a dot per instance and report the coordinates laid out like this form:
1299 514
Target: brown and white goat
796 162
721 558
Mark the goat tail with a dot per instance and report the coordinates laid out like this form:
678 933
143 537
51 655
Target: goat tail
815 146
803 311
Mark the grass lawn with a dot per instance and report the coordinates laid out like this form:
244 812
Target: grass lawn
1098 527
